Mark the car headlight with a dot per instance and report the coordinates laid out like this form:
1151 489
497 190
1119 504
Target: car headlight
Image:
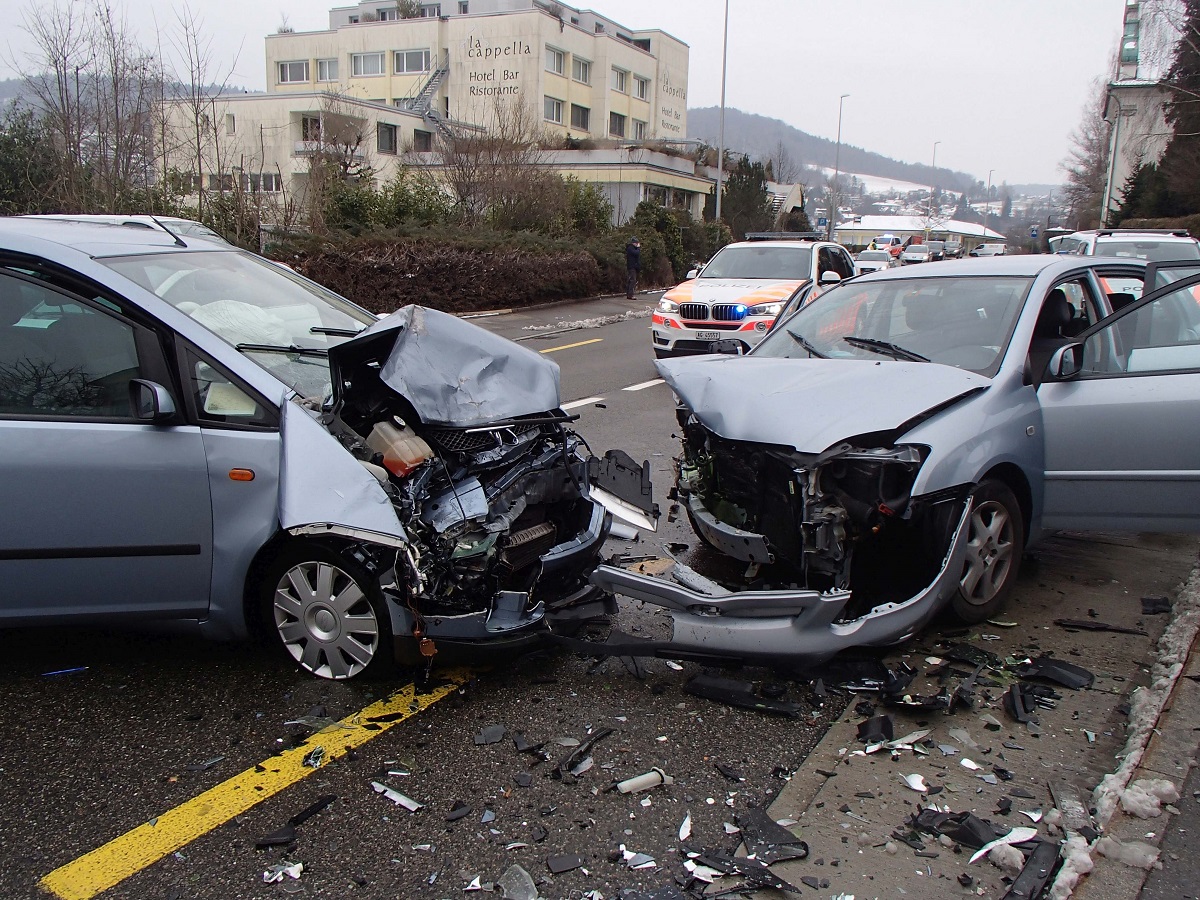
667 306
766 309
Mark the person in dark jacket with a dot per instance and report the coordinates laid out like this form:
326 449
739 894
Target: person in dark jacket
633 265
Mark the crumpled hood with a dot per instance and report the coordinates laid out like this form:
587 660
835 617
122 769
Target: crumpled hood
453 372
732 290
810 404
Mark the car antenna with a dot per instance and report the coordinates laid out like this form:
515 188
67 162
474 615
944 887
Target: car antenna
178 240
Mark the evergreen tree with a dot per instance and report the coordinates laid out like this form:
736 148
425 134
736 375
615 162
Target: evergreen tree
1180 164
745 206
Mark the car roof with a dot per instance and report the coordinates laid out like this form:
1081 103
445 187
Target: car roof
777 243
98 239
1024 266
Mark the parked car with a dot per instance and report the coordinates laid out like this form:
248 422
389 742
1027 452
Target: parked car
873 261
937 250
915 253
191 433
168 224
953 249
739 292
989 250
1138 243
920 427
889 242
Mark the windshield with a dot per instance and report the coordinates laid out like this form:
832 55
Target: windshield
1151 249
917 248
760 261
963 322
876 255
247 300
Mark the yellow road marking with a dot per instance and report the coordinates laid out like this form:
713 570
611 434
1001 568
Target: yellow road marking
569 346
146 844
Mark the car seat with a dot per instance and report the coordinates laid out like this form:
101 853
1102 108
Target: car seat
1049 333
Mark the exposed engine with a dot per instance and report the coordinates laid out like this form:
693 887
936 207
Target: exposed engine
844 519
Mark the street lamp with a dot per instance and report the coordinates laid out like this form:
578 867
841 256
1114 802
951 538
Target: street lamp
987 209
932 181
721 135
837 168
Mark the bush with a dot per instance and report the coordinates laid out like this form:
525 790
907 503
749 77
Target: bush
1191 223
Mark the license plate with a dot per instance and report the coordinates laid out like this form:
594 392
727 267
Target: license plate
708 335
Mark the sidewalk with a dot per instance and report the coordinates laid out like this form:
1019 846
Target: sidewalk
851 807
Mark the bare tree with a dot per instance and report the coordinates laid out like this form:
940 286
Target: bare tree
1086 165
784 169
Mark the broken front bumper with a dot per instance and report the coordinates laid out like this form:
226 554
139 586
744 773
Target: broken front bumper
793 626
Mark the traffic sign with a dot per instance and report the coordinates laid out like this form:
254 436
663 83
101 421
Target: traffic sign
1033 232
822 221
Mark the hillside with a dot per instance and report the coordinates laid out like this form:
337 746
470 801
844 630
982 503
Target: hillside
758 136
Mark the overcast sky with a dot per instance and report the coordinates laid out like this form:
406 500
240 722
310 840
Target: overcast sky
1000 84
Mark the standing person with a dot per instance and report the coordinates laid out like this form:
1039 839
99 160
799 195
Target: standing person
633 265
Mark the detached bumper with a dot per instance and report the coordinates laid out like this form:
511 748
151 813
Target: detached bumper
800 627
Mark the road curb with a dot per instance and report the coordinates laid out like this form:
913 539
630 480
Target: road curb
549 304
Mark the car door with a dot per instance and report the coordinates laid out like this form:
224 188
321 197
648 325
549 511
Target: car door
103 513
1122 437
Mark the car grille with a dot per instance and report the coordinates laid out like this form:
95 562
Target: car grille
457 440
697 312
729 312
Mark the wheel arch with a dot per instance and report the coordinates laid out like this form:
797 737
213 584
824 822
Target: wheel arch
1012 477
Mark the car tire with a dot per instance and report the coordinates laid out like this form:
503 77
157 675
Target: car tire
995 544
326 613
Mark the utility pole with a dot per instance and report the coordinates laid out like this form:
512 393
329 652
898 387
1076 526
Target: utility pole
721 135
837 168
932 181
987 210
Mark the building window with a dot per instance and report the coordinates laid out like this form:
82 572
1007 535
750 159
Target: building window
555 60
581 70
616 124
385 138
463 7
230 123
327 70
293 72
270 182
641 87
620 80
581 117
422 141
553 110
353 20
365 64
220 182
411 61
387 14
639 130
431 10
310 128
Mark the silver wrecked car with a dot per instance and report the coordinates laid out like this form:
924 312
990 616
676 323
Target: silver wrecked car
892 447
192 433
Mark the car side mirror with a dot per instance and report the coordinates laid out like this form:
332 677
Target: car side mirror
150 401
726 347
1066 362
693 273
830 277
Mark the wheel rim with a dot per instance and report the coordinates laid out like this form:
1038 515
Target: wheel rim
989 553
325 621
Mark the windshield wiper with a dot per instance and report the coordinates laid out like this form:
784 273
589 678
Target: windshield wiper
895 351
336 332
275 348
804 342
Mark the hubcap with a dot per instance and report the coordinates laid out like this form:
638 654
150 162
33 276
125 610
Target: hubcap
325 621
989 553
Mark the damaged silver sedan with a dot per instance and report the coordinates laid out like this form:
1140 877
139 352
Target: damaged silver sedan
194 434
891 449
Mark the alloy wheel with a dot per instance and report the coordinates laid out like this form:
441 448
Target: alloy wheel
990 553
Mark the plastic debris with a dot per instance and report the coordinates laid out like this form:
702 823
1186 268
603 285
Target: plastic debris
730 773
72 671
523 779
700 872
741 694
990 722
1155 606
206 765
963 737
488 816
685 829
643 782
756 872
493 734
564 863
574 762
1018 835
964 828
458 811
638 860
1134 853
475 885
969 764
767 840
396 797
915 782
315 757
877 729
276 872
1048 668
1094 625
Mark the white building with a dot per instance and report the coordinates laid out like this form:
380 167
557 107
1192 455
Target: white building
863 229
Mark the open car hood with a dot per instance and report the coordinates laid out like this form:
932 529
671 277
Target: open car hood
811 404
453 373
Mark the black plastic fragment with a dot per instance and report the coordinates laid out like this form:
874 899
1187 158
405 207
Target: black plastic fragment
523 746
965 880
733 692
1004 806
964 827
493 734
579 754
618 474
976 656
730 773
564 863
876 730
767 840
1095 625
810 881
1020 702
755 871
1048 668
539 833
1155 606
1020 793
311 810
523 779
283 837
1036 872
459 811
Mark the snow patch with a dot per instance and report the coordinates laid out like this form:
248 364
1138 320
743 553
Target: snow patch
594 322
1144 798
1077 862
1135 853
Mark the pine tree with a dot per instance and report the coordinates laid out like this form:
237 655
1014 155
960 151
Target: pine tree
1180 164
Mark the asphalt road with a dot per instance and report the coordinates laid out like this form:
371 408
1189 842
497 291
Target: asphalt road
155 762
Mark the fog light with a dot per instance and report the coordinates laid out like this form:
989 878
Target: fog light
760 326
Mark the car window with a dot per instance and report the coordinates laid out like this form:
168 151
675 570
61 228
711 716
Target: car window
843 264
1148 249
61 356
1120 288
219 399
760 261
1084 309
1160 336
